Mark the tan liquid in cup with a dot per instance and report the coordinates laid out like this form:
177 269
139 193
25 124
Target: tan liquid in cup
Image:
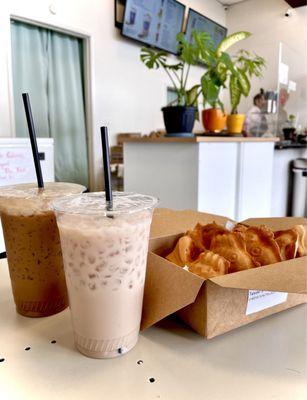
105 262
33 247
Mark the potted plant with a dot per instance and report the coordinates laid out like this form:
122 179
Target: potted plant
246 65
179 116
219 67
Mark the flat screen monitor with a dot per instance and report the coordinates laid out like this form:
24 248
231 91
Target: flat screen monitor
154 22
199 22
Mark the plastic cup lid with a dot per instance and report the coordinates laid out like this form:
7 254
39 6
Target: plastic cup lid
31 191
95 203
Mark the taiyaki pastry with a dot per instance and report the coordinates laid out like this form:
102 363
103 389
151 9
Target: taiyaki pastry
240 228
287 241
203 234
209 264
261 245
184 252
232 247
212 249
302 240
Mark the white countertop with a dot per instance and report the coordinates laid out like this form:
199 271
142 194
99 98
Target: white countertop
266 360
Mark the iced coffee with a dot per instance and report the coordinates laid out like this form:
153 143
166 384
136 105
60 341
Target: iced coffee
105 255
33 247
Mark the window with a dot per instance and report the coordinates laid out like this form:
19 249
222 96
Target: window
49 66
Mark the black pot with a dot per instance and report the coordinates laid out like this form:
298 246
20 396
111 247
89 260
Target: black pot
179 119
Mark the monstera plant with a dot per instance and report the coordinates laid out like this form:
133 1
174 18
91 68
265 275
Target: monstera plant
179 115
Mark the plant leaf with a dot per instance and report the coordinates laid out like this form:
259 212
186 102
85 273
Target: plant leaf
174 67
188 52
221 105
244 82
251 64
226 60
230 41
235 93
210 90
151 58
205 47
221 70
192 95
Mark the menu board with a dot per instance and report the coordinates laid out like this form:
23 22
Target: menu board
154 22
199 22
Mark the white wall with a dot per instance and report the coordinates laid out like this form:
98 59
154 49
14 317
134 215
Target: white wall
125 95
266 21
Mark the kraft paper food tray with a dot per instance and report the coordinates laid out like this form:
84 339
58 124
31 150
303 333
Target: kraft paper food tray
170 288
168 222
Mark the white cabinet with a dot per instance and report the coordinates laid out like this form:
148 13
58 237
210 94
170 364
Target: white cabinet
168 171
217 173
254 181
228 177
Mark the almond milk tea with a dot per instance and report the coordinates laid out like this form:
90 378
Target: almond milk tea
105 263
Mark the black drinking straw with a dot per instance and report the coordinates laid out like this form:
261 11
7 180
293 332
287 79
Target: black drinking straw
106 167
31 128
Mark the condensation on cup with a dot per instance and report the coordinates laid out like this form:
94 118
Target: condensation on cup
33 246
105 256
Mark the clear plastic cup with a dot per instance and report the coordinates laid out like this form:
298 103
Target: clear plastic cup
33 246
105 256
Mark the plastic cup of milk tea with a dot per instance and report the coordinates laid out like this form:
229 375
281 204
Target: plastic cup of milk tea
105 257
33 246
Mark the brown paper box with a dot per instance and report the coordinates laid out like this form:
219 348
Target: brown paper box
217 305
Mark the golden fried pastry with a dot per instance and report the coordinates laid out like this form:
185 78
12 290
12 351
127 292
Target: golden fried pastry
196 236
287 241
232 247
240 228
203 234
211 250
261 245
302 240
185 252
209 264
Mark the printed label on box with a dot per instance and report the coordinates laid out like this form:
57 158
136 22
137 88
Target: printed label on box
259 300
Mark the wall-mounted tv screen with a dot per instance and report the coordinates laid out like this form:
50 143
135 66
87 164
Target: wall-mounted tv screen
199 22
154 22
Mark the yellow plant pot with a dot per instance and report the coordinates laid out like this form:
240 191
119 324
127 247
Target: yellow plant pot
235 123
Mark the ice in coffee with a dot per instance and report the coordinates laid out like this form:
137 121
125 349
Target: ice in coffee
33 247
105 256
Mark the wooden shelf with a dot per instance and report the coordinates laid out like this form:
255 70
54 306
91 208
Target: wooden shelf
199 139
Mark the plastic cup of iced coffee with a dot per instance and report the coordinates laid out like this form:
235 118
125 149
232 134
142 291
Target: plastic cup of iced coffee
33 246
105 256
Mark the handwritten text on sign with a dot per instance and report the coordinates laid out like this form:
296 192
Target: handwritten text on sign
15 165
259 300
